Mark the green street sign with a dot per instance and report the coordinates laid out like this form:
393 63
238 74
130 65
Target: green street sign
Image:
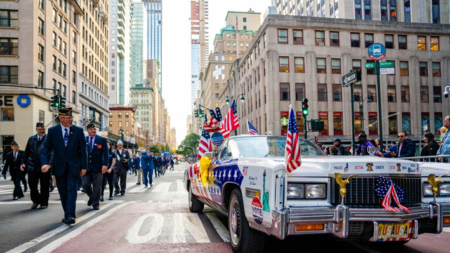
369 65
387 64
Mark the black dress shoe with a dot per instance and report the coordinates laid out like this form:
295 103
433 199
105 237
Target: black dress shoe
52 188
15 198
25 190
96 208
70 220
138 183
89 203
123 193
63 220
101 198
110 198
34 206
116 193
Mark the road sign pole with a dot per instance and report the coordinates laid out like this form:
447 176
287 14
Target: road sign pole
305 126
353 119
380 120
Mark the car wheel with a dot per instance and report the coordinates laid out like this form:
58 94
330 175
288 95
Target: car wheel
243 238
195 205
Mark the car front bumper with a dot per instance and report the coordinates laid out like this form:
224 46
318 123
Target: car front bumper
337 220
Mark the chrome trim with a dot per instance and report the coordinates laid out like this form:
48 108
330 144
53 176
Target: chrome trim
416 230
375 232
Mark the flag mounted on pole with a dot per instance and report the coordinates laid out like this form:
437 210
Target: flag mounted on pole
231 121
251 129
292 158
212 125
205 144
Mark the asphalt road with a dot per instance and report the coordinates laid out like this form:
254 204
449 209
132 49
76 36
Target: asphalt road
153 219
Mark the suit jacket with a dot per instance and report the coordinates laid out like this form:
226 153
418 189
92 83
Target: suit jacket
121 167
137 163
32 158
98 155
147 161
75 154
14 164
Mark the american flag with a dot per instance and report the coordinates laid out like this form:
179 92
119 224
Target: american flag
292 153
251 129
205 143
212 125
231 121
236 24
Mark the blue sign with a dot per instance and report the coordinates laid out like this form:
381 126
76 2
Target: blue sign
23 100
377 51
217 139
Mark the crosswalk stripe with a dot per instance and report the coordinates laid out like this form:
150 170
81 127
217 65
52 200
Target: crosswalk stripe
138 188
162 187
180 187
446 230
219 227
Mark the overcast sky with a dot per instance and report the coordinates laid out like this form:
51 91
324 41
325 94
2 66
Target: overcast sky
176 62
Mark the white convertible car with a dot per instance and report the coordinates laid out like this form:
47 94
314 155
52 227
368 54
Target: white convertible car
253 188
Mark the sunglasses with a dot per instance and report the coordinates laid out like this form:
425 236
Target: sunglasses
401 136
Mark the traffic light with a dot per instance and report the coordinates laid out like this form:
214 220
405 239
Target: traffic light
305 106
200 113
62 102
54 102
196 113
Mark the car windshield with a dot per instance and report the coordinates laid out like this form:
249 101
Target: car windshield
267 146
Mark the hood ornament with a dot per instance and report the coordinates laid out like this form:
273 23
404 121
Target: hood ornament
343 184
435 183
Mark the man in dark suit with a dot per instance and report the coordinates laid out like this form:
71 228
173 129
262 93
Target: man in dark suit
121 169
147 166
13 163
32 163
69 161
98 164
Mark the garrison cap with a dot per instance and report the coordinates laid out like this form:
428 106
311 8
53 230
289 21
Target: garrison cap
90 125
40 124
14 143
65 111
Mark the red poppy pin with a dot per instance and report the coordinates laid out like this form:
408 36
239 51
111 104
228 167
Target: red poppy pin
99 146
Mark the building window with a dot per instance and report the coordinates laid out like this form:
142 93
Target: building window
437 94
300 123
64 91
41 4
372 119
436 11
282 36
337 92
357 92
334 39
402 42
405 94
421 43
356 65
355 40
41 53
367 10
74 37
298 37
370 71
322 92
384 11
423 69
372 93
324 117
392 123
337 123
299 65
64 70
299 91
54 39
54 63
74 57
9 74
9 18
41 27
40 78
284 92
404 68
358 12
335 66
74 99
424 94
54 86
320 38
321 66
7 114
406 122
41 116
264 40
368 38
389 41
74 78
284 64
244 19
120 115
393 10
434 43
437 122
9 46
217 95
391 94
436 67
407 13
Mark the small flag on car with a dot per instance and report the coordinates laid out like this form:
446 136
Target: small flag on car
251 129
292 153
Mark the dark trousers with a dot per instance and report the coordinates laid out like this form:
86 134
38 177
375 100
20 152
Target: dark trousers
157 174
92 184
123 181
67 189
24 180
34 178
148 176
108 178
17 187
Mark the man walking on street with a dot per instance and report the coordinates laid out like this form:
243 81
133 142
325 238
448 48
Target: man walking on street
14 160
97 166
69 160
162 164
32 163
137 168
147 166
121 169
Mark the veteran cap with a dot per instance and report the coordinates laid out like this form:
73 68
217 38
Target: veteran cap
65 111
147 146
40 124
90 125
362 135
14 143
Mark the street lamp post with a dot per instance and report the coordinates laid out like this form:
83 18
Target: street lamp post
121 132
242 99
361 109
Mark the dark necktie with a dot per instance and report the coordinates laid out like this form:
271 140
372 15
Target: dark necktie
66 137
15 156
39 139
91 142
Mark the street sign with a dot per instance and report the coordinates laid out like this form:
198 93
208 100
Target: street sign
388 64
387 71
369 65
353 76
377 51
425 126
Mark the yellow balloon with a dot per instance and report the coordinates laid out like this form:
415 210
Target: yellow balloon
205 162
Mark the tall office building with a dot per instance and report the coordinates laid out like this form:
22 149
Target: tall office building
119 51
138 43
409 11
154 26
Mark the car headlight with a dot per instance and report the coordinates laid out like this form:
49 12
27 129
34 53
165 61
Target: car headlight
296 191
315 191
427 190
444 189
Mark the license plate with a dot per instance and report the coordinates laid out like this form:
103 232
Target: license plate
394 231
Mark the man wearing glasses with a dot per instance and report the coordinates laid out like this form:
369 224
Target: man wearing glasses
406 147
444 149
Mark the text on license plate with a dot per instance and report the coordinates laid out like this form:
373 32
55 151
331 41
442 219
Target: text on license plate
394 231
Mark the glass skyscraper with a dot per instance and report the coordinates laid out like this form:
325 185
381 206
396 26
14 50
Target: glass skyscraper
154 35
138 43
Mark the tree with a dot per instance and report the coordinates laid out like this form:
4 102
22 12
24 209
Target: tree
191 140
155 148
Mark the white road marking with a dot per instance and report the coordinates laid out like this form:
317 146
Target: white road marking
56 231
180 187
220 228
9 202
78 230
139 188
178 229
446 230
195 227
155 229
162 187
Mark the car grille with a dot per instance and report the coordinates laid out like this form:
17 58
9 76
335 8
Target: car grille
361 192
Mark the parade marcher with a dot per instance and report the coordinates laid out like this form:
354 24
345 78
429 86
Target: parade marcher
69 160
108 177
14 160
97 147
162 164
137 168
147 166
366 147
444 149
32 163
406 147
121 169
156 163
171 163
